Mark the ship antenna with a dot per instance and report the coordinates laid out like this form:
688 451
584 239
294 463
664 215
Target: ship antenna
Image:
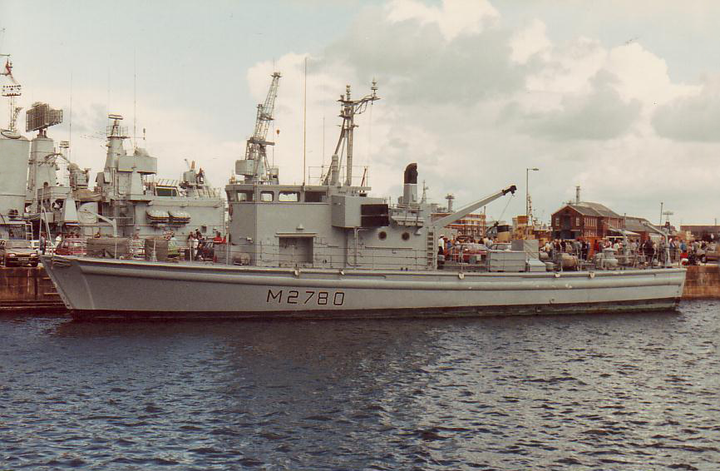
305 123
69 149
135 98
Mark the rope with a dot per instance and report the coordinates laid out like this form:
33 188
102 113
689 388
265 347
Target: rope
512 195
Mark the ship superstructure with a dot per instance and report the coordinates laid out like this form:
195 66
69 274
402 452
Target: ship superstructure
128 199
14 150
335 224
131 197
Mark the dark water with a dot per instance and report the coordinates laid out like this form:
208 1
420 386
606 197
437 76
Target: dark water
632 392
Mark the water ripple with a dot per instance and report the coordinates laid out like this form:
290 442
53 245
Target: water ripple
568 392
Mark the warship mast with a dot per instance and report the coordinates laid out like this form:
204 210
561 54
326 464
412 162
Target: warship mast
348 109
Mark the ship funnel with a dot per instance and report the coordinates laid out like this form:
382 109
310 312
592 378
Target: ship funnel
410 187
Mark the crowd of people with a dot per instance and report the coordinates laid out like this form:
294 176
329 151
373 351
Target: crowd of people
449 245
634 250
200 246
648 251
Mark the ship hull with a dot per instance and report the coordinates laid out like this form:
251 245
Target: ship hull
100 288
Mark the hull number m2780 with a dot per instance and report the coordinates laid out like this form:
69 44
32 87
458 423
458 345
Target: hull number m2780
306 297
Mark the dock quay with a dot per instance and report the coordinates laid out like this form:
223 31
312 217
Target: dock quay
702 282
30 290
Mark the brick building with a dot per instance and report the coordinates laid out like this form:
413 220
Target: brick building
702 232
586 220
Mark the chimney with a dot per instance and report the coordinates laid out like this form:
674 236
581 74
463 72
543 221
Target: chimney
577 194
410 187
450 197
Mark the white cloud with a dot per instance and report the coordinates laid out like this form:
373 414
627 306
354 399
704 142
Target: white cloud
529 41
643 75
453 17
693 117
598 115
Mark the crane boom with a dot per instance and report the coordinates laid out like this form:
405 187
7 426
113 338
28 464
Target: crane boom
464 211
255 166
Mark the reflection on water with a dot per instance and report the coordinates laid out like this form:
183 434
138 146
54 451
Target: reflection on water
584 392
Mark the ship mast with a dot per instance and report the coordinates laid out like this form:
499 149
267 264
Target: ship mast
11 91
348 109
256 165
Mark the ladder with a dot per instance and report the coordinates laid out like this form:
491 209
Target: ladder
431 252
28 231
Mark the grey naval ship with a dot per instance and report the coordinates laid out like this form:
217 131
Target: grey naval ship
46 195
330 250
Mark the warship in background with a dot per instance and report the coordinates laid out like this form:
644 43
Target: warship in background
331 250
128 199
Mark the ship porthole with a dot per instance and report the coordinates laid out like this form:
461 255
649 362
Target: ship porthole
405 235
382 235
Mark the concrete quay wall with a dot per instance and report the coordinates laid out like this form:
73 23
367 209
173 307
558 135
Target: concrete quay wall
702 282
28 290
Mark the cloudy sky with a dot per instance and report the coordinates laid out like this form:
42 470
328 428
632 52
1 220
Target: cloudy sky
621 98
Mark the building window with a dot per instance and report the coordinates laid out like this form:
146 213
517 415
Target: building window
577 221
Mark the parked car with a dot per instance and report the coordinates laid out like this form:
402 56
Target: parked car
712 252
18 252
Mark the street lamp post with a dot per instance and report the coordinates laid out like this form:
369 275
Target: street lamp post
527 193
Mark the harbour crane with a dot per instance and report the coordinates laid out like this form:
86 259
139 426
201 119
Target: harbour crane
255 166
11 91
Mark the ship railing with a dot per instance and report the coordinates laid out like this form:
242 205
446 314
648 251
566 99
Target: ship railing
361 175
271 255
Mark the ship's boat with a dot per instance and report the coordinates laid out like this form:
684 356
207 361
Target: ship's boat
179 217
157 216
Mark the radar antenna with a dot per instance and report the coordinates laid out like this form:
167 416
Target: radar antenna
255 166
348 109
11 91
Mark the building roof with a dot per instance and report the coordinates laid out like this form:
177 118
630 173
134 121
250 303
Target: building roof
635 224
587 208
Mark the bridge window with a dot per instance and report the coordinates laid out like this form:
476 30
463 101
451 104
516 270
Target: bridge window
166 191
314 196
289 196
267 196
244 195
